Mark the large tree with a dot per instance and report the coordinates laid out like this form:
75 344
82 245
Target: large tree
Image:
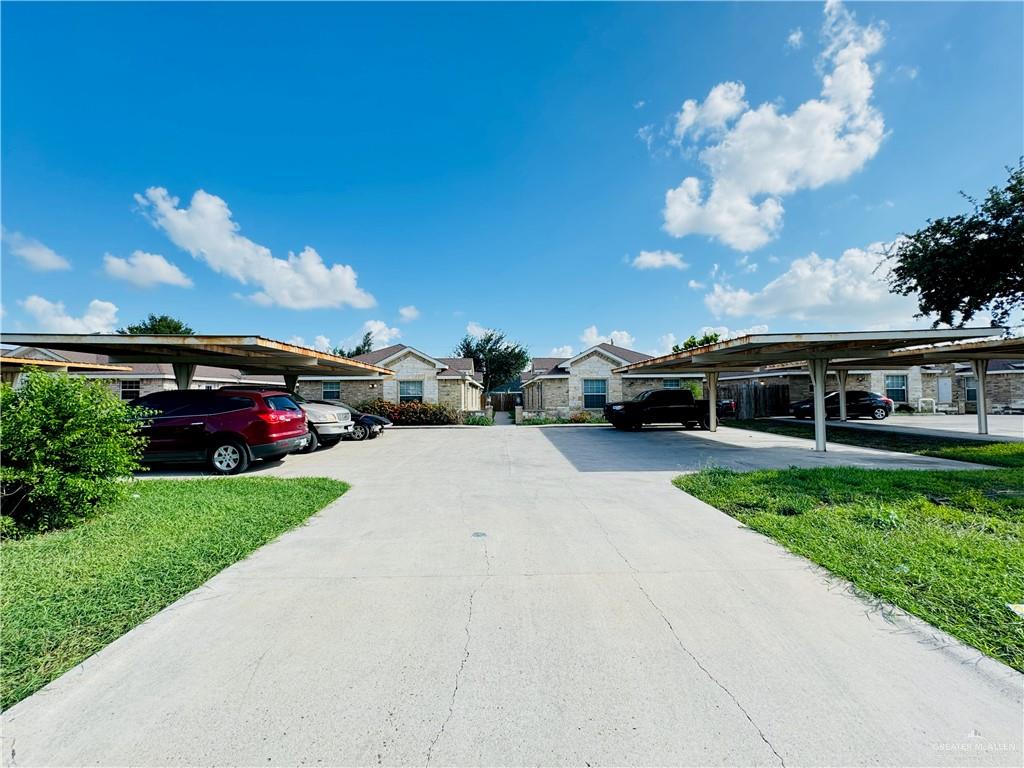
364 346
961 265
158 324
693 342
500 360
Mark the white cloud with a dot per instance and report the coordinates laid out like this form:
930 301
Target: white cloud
760 155
52 317
145 270
665 344
408 313
590 337
474 328
381 332
639 104
695 285
563 351
907 71
646 134
659 259
724 103
206 230
795 39
34 253
849 291
725 333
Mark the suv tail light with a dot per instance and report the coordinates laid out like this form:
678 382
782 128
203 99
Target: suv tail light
278 417
887 401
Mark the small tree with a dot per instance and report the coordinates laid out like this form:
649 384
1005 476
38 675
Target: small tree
500 360
693 342
961 265
158 324
66 445
364 346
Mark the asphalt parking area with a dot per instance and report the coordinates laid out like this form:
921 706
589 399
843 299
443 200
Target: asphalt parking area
514 595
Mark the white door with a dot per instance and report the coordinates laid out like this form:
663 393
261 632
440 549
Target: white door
945 390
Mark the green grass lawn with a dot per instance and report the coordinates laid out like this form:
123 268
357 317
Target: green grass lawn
947 546
69 593
995 454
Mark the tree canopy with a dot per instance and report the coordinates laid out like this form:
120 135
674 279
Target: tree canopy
964 264
364 346
500 360
708 338
158 324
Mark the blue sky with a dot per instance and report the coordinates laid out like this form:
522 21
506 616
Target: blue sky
566 173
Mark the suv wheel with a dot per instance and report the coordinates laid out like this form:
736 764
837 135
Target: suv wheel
228 457
360 432
878 414
312 444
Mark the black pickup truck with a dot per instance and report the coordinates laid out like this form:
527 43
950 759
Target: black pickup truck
659 406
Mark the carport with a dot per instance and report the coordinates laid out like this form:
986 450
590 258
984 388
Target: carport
819 352
249 354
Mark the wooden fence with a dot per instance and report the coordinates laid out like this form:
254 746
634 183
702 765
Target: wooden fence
755 400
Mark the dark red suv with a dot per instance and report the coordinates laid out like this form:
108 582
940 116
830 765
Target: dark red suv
224 428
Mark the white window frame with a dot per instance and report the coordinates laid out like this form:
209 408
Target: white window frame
133 384
671 384
971 386
604 394
323 390
906 392
410 398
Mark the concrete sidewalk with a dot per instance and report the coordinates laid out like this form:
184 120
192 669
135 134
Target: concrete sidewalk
528 596
1001 428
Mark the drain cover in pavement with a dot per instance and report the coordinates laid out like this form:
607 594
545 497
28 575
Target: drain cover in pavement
479 535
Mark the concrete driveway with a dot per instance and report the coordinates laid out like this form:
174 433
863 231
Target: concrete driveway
1001 427
515 595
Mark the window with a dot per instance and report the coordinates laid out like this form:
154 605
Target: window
130 389
331 390
670 384
410 391
971 389
595 393
896 388
281 403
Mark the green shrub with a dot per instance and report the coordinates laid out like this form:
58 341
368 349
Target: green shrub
476 420
66 444
412 414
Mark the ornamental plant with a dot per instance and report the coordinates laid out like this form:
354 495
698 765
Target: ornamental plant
412 413
66 446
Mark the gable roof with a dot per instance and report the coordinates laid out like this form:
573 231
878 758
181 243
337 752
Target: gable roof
559 366
451 367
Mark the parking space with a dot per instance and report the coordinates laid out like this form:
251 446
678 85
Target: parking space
515 595
1003 427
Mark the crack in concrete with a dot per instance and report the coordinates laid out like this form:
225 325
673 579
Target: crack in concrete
465 658
634 574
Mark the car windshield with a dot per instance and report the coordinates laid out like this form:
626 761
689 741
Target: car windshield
281 403
298 398
645 394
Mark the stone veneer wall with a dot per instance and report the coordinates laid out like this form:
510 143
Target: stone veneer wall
633 387
412 367
593 366
353 392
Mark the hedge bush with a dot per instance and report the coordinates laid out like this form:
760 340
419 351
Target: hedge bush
412 414
66 445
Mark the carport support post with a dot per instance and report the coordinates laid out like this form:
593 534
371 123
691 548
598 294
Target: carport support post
713 401
980 368
291 381
183 373
818 368
842 375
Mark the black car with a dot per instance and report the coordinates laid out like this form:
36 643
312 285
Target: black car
659 406
365 426
858 404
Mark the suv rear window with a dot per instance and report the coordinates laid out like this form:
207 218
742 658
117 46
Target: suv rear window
281 403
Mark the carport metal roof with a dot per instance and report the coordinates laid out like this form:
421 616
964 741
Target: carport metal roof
839 351
249 354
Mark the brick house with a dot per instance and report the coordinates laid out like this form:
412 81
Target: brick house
145 378
559 386
418 377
